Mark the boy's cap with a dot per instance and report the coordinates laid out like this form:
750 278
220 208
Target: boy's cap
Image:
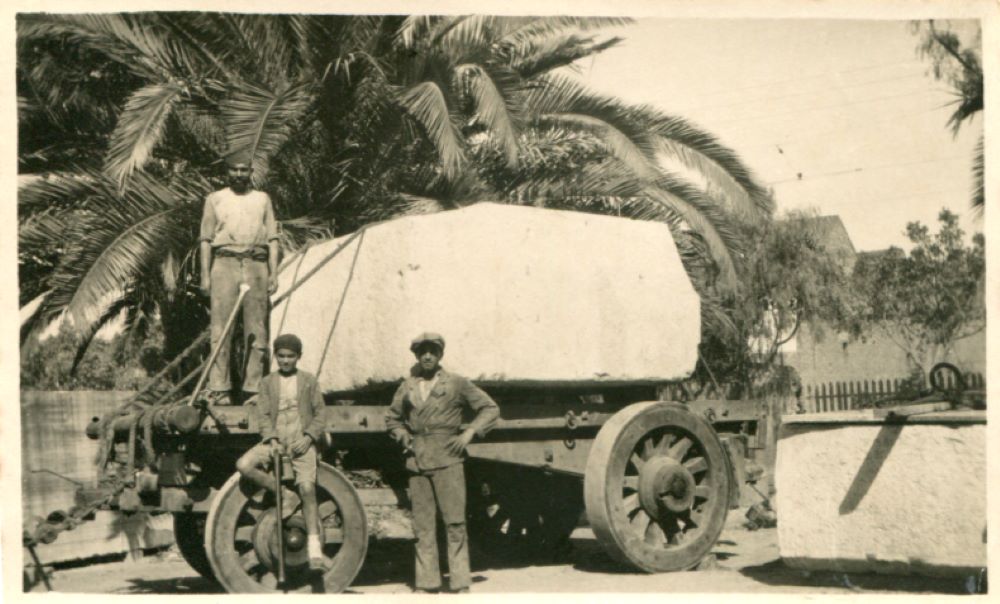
428 337
239 156
288 342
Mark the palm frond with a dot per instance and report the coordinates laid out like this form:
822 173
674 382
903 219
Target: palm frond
651 132
542 55
699 150
547 26
619 144
259 121
426 103
140 128
492 109
978 171
119 239
56 191
413 27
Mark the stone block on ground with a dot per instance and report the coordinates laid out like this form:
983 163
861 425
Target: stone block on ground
858 494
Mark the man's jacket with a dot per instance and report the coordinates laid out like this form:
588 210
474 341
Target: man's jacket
435 421
310 401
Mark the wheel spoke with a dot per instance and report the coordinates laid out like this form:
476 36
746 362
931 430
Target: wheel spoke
640 522
702 491
631 482
631 502
696 464
671 529
269 580
680 448
654 535
647 448
244 533
663 444
249 560
327 508
332 534
637 461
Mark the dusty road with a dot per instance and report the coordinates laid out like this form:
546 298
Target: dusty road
745 562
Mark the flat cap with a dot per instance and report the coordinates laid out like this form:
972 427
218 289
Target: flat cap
428 337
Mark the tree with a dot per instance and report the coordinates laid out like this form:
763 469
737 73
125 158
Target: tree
960 65
794 281
927 300
349 120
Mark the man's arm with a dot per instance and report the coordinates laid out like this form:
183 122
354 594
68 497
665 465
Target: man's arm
394 416
264 414
273 247
208 222
315 428
487 411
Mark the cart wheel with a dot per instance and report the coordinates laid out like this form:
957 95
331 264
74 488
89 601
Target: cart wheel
656 487
189 535
241 542
524 517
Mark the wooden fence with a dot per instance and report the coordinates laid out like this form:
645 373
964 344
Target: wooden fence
857 394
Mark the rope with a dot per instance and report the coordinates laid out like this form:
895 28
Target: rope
340 305
284 311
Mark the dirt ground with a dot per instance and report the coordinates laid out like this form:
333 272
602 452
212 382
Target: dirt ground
744 562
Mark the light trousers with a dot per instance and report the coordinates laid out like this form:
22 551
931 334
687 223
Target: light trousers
432 491
227 275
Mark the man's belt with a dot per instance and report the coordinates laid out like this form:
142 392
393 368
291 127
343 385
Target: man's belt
435 432
258 254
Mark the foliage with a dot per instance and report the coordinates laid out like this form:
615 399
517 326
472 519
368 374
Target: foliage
928 299
794 278
119 364
349 120
959 63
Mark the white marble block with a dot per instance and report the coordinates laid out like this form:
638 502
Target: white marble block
521 295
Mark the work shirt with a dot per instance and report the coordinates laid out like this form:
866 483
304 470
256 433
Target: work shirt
434 420
238 222
288 424
307 405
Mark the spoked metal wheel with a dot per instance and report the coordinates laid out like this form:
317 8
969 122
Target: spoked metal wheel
189 535
656 487
241 541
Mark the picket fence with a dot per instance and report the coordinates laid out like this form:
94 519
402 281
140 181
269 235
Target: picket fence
845 395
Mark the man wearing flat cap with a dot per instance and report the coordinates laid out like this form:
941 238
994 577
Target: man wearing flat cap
239 244
425 417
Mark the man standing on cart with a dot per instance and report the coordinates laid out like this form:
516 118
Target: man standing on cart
239 244
425 417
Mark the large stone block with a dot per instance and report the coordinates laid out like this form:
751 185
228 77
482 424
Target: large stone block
857 494
521 295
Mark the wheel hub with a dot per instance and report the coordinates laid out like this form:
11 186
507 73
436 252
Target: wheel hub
265 541
665 486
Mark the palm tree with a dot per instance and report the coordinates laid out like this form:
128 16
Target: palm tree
961 67
349 120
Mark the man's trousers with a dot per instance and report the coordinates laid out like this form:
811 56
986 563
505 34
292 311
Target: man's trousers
432 491
227 275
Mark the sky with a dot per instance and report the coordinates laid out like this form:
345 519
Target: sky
848 105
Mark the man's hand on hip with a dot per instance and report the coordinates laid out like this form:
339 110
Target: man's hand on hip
457 445
272 284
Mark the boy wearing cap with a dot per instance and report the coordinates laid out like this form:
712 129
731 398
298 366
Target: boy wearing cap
239 244
425 417
290 416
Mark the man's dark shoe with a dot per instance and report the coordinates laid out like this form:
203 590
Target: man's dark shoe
420 590
460 590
